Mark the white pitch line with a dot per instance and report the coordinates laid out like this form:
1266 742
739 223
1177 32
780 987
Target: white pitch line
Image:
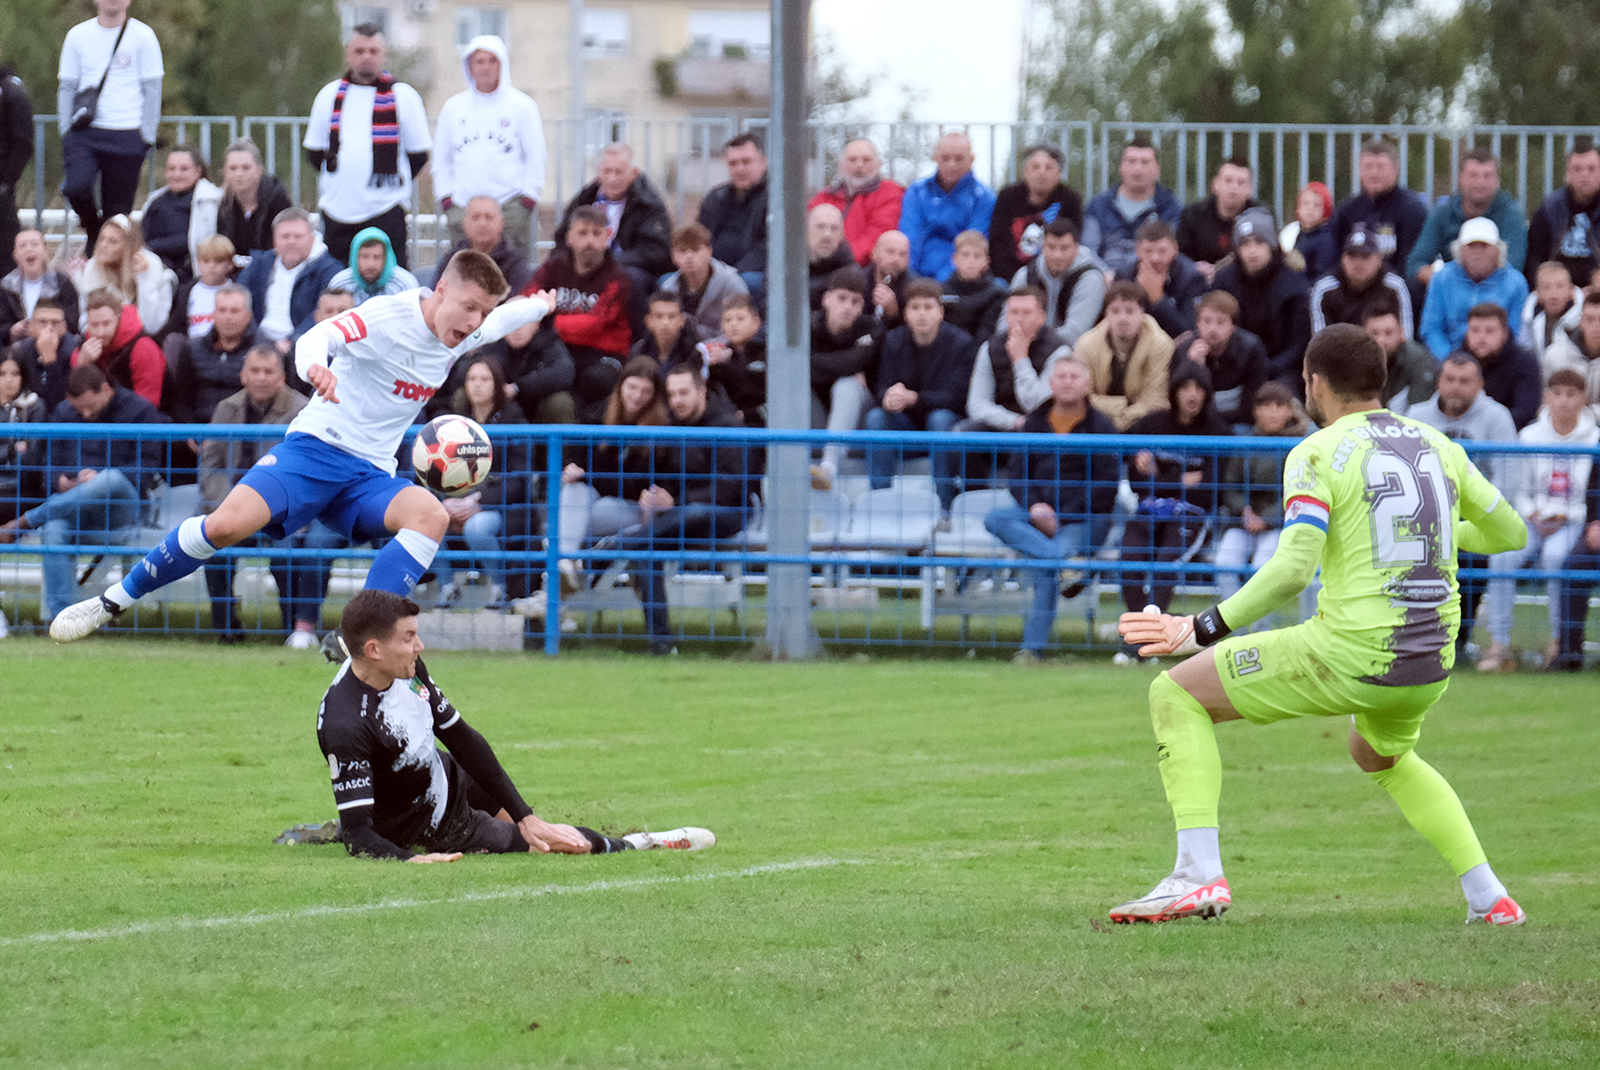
183 924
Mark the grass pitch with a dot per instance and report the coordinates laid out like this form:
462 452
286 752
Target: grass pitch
914 865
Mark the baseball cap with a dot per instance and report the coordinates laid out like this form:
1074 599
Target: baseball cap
1362 240
1478 229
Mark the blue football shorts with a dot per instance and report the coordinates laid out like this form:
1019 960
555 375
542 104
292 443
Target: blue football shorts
304 478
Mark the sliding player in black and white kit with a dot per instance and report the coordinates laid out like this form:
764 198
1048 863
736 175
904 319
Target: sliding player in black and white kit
372 369
396 790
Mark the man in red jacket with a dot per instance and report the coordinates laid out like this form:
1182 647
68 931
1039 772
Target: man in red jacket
115 342
595 312
869 202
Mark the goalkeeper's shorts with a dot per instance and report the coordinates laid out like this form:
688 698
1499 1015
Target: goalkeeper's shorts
1276 675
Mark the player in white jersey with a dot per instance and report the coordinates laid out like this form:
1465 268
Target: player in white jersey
372 368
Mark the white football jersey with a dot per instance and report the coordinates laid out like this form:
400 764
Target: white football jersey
389 364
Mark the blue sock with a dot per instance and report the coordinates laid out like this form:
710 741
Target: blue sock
184 549
401 563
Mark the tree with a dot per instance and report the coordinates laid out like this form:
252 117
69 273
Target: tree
286 50
1124 60
1263 61
1534 61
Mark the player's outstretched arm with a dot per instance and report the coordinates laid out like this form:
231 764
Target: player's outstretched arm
1494 532
1283 577
515 313
473 752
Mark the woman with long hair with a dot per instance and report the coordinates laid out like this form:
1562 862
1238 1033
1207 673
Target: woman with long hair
251 198
181 214
481 519
21 483
600 487
121 264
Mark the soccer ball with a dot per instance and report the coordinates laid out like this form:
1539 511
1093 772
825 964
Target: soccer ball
452 455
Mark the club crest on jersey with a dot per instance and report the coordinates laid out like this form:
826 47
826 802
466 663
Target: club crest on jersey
351 326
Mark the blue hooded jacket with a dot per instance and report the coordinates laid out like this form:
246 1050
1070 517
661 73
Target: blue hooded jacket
393 279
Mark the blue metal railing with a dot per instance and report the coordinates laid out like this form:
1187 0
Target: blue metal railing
884 570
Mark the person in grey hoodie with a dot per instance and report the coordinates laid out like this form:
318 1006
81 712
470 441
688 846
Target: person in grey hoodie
1072 278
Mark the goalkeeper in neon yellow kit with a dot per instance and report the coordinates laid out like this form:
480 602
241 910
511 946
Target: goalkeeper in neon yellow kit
1382 503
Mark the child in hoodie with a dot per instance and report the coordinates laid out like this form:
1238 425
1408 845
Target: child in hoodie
1177 491
1547 489
373 270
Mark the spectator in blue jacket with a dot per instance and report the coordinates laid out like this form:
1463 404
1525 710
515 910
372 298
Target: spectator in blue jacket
923 375
1479 194
1479 274
1111 221
944 204
284 285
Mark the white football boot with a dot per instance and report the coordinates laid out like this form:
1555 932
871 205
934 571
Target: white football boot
687 838
82 619
1177 896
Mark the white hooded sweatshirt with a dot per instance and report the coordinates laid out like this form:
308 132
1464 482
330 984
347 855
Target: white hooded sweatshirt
1550 484
488 144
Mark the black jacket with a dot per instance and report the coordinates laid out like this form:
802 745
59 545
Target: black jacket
974 306
1275 306
203 375
1171 465
738 225
49 380
1017 228
1398 216
1236 373
1513 378
142 461
517 268
1175 312
940 372
165 228
837 356
684 350
742 378
1076 485
711 473
1551 236
818 271
1205 236
253 234
16 131
644 233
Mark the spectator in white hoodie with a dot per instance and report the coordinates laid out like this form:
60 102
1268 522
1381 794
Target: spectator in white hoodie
1552 291
1548 490
490 143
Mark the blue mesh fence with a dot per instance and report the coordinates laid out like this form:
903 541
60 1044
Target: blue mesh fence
918 540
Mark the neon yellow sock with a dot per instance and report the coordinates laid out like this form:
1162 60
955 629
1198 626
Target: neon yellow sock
1186 747
1430 804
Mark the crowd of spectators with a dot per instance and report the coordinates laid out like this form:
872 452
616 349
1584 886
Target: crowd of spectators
940 306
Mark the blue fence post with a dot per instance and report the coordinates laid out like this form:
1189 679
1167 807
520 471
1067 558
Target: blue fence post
552 542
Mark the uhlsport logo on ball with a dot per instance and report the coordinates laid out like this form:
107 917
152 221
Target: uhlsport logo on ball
452 455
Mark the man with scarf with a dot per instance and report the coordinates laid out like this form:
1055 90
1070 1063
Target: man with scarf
359 126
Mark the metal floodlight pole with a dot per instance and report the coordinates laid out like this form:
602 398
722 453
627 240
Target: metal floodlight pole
577 107
790 633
